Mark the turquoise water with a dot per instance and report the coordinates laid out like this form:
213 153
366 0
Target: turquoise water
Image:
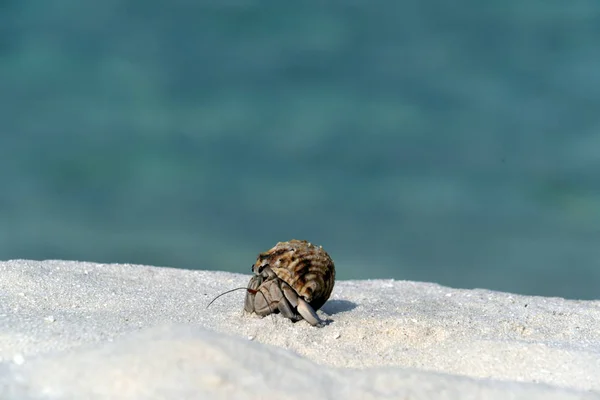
453 142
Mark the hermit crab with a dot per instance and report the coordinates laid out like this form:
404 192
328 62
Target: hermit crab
294 278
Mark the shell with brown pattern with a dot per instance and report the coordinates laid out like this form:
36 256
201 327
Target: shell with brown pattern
307 268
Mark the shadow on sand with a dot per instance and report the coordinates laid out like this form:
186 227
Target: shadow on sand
333 307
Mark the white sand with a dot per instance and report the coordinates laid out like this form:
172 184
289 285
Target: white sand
86 331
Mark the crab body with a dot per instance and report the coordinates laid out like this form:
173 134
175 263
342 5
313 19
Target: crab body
294 278
271 295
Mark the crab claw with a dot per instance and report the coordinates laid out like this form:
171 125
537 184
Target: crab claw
254 284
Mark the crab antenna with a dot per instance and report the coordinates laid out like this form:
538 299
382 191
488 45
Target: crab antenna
229 291
247 289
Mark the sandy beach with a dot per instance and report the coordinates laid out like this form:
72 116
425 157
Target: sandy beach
117 331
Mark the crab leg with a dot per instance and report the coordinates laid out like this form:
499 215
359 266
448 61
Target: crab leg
287 311
290 294
308 313
305 310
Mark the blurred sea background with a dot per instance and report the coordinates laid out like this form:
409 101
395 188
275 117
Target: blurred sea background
455 142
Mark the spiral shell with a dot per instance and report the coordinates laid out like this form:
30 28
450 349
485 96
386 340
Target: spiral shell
307 268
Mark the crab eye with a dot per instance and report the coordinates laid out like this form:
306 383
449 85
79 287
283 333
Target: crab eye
261 268
252 268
